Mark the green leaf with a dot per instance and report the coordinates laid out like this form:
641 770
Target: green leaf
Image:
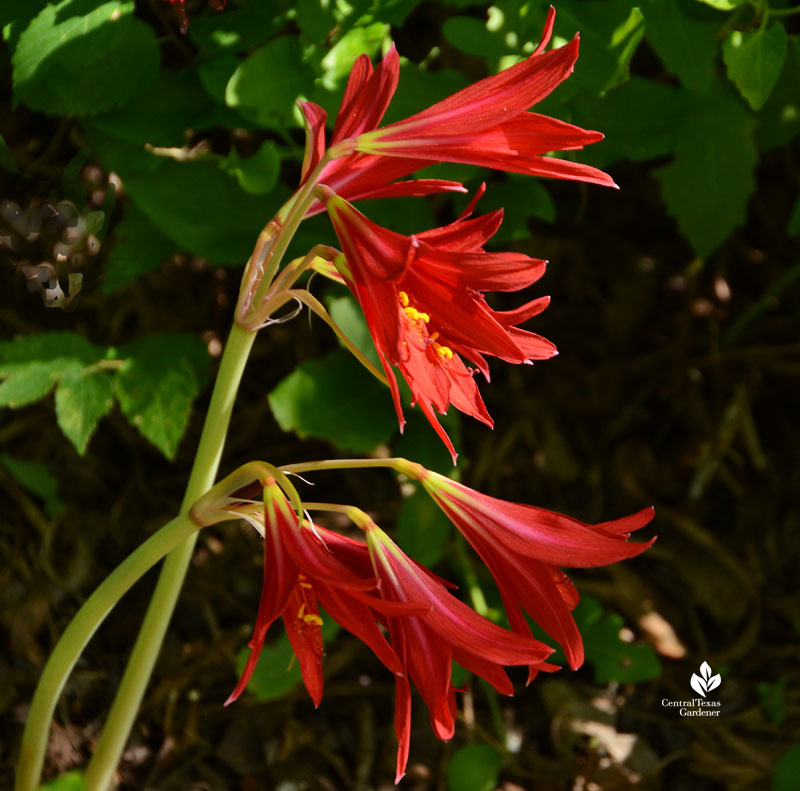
162 376
364 40
277 670
201 208
755 60
347 313
76 58
81 400
258 173
683 40
25 386
71 781
266 84
32 364
238 29
160 116
521 199
423 531
471 36
139 247
334 398
612 658
708 184
779 118
37 479
316 18
7 161
639 119
773 699
723 5
419 88
62 349
474 767
787 770
610 34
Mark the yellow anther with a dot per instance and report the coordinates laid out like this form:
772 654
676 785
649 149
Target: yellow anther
306 585
424 317
403 298
434 336
311 618
412 313
301 610
444 352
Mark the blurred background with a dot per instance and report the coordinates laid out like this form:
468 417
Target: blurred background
137 166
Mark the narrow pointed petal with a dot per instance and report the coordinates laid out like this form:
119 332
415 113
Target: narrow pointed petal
314 117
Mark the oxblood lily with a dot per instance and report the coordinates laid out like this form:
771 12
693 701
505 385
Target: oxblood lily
427 645
421 297
305 566
523 546
485 124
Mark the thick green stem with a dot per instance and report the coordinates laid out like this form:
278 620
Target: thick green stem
148 644
78 634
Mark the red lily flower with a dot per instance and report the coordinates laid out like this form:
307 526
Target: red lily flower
306 565
421 297
523 547
427 645
485 124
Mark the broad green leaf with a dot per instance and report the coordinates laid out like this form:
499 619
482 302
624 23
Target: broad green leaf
423 531
258 173
160 116
684 40
316 18
346 312
36 478
266 84
419 88
709 183
138 247
612 658
521 199
78 58
723 5
81 400
7 161
238 29
32 382
62 349
610 33
364 40
787 770
32 364
201 208
639 119
334 398
471 36
779 118
755 60
162 376
278 670
71 781
474 767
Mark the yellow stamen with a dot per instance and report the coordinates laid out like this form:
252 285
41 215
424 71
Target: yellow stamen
306 585
424 317
301 610
434 336
403 298
311 618
443 352
412 313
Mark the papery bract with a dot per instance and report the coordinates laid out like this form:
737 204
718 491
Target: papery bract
423 302
524 546
428 645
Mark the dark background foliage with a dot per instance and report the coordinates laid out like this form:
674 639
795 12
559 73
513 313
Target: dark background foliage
137 166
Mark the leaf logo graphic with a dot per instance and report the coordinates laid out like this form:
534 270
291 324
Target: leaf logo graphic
705 682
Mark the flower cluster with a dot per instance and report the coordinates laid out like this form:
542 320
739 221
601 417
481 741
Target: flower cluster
423 298
371 588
